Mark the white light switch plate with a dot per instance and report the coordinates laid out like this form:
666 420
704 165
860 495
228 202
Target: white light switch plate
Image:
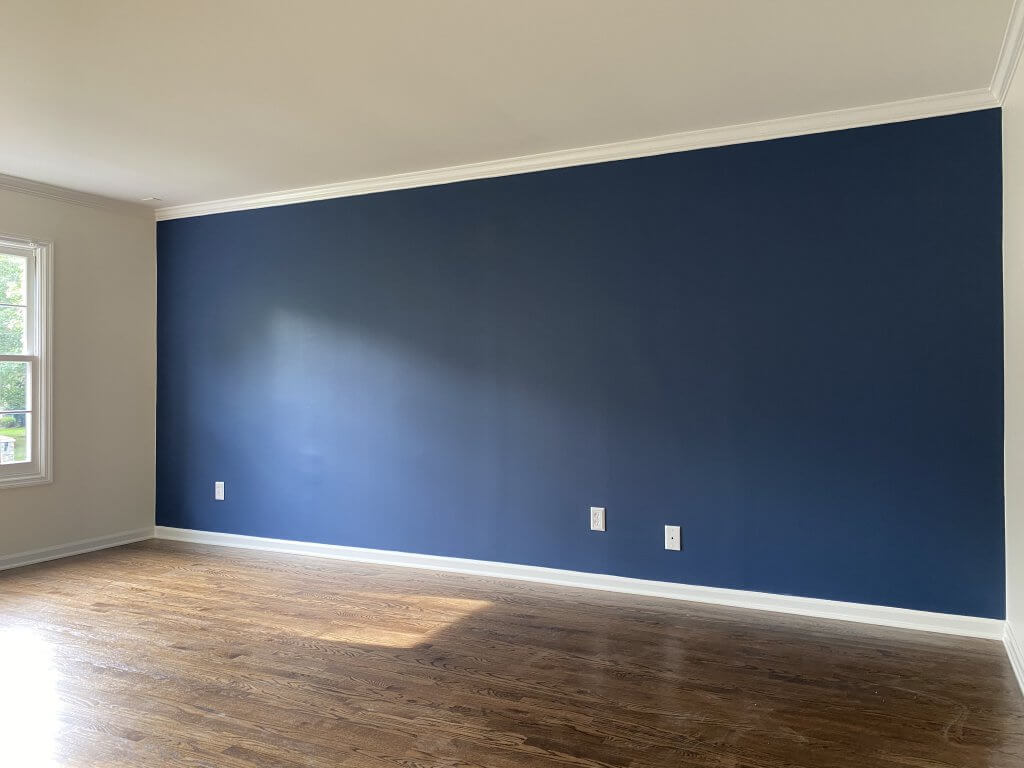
218 491
597 518
673 537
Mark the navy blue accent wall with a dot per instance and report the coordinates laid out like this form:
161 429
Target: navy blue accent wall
791 348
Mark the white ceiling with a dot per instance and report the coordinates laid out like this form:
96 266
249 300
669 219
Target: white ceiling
196 100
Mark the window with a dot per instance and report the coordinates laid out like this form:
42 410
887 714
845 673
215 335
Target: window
24 362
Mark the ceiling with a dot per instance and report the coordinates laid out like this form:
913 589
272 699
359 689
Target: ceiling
197 100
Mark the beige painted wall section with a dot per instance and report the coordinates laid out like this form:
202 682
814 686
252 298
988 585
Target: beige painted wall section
104 375
1013 292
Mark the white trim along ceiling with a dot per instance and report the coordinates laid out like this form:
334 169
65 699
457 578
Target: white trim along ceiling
896 111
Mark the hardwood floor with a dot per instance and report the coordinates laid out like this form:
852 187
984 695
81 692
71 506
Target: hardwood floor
165 654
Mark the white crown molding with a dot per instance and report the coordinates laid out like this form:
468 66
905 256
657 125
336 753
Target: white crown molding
897 111
803 606
1015 651
1009 53
51 192
75 548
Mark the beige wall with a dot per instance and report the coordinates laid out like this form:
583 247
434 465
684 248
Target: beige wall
104 372
1013 291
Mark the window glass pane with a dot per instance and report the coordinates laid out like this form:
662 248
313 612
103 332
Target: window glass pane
15 436
12 331
14 386
13 276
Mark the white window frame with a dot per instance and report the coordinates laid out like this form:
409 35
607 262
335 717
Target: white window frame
39 333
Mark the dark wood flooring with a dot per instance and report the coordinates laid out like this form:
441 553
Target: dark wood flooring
165 654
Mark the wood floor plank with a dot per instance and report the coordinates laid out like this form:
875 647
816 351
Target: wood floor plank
169 654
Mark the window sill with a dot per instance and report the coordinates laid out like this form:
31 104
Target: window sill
25 479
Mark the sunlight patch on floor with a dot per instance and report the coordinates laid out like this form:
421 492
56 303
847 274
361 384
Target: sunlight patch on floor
30 707
424 616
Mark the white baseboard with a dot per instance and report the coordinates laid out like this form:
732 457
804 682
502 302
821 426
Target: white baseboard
969 626
75 548
1015 651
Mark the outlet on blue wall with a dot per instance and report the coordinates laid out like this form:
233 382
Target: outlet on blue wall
793 348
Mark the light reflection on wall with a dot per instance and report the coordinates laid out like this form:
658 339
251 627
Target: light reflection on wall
30 707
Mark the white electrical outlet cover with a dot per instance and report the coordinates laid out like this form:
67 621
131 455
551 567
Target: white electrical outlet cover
673 537
597 518
218 491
